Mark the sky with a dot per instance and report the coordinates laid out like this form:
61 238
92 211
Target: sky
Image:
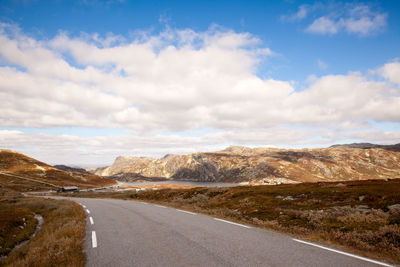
82 82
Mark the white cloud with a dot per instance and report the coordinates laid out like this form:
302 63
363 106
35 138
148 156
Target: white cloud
323 25
357 19
362 20
364 25
301 13
174 81
339 97
375 136
391 71
164 77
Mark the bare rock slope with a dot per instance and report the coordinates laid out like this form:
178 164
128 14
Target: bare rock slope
268 165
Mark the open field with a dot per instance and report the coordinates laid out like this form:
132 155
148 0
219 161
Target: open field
360 216
59 241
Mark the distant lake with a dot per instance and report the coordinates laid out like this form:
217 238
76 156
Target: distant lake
205 184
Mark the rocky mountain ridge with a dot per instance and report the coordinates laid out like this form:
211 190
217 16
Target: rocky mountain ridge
267 165
395 148
71 169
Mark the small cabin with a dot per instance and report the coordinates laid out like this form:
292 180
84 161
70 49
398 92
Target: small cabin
68 189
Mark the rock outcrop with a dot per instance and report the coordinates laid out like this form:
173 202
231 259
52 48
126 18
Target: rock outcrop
267 165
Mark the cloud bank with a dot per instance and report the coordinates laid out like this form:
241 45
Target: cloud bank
158 86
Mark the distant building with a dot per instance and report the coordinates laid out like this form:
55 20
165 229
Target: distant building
68 189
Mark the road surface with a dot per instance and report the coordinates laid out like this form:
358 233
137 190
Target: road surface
131 233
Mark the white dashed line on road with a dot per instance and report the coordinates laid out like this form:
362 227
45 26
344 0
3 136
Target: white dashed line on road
160 206
91 220
94 239
144 203
186 211
84 206
341 252
88 211
238 224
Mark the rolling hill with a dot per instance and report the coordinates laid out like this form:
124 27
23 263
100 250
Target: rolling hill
22 173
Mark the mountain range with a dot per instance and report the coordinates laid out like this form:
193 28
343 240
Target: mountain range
360 161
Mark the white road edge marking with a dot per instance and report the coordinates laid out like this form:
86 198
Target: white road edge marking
94 239
91 220
186 211
88 211
344 253
83 206
238 224
160 206
144 203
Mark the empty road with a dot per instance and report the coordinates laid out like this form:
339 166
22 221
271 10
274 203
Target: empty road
130 233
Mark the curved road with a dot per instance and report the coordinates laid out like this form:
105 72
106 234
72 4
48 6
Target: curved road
130 233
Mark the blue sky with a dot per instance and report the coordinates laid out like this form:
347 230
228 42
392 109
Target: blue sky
97 79
297 52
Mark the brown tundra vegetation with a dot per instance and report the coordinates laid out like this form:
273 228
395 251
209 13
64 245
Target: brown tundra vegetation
58 242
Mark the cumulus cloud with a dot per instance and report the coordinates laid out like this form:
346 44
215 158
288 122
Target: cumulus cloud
361 20
323 25
172 81
156 85
391 71
352 96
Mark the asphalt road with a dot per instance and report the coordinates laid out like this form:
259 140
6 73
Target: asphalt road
130 233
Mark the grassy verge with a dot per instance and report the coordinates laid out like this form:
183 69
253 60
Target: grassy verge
358 216
21 185
59 242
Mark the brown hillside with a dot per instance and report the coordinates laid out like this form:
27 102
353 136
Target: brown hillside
268 165
22 173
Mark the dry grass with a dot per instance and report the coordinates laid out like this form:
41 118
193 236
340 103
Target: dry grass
22 185
22 166
16 223
326 212
59 242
